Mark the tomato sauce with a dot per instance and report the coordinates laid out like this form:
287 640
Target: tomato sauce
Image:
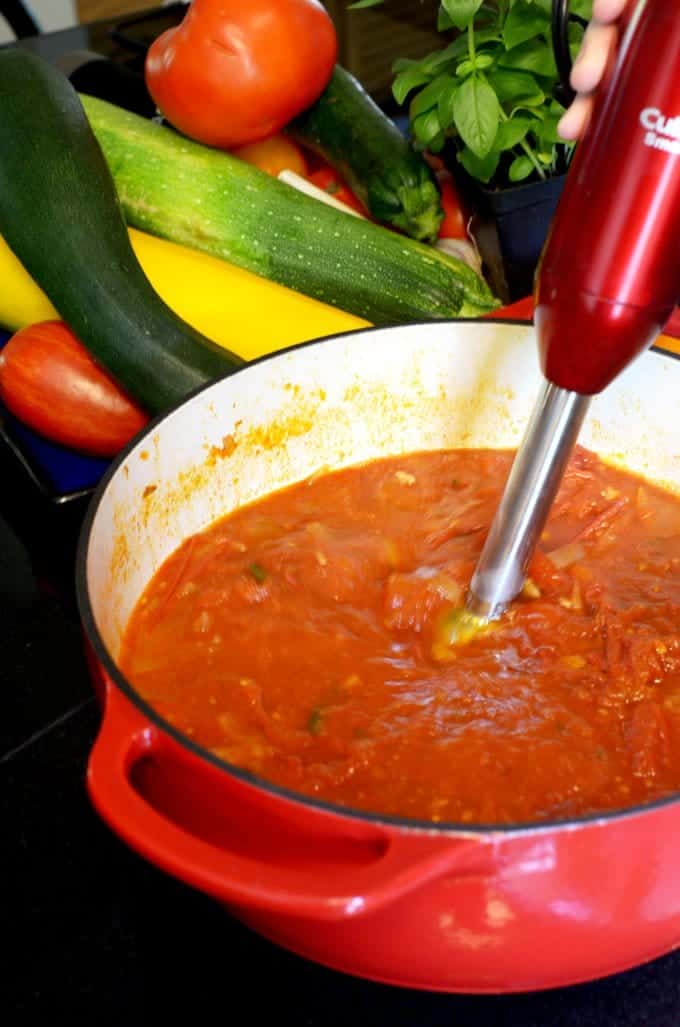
297 638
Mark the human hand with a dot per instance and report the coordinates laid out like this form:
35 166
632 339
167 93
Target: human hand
600 39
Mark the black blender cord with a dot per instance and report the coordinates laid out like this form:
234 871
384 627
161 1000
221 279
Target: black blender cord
560 43
19 18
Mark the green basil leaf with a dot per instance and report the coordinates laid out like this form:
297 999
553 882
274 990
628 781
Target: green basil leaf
445 105
449 54
407 80
520 169
582 8
359 4
525 21
535 112
575 33
257 571
510 133
476 114
482 169
459 47
488 16
483 61
515 87
534 56
444 22
428 97
461 12
426 127
436 144
404 63
547 134
556 108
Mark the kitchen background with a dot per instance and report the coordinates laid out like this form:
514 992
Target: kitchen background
402 28
52 15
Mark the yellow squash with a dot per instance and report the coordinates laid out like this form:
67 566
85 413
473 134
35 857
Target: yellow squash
235 308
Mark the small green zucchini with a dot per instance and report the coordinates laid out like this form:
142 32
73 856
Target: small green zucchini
366 148
60 214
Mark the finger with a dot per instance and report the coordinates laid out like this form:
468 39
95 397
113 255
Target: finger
574 120
608 10
589 66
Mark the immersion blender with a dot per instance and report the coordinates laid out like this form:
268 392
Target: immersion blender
607 282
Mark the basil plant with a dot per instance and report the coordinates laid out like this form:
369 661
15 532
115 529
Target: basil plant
491 89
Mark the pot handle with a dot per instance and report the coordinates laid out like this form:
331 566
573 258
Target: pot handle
403 861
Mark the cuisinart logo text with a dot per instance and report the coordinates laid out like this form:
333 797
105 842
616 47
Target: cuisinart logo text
662 133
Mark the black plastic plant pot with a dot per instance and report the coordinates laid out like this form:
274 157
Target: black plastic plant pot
522 216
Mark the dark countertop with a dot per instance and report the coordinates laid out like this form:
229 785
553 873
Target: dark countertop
97 935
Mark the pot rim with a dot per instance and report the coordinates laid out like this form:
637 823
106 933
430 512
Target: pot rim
247 777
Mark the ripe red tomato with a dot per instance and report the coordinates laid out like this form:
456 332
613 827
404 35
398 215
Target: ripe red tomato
49 381
454 225
235 71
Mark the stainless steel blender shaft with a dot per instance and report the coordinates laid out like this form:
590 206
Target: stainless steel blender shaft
529 493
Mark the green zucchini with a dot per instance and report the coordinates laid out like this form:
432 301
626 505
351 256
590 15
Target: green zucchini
60 215
209 200
366 148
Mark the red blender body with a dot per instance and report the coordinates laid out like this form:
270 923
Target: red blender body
609 277
607 282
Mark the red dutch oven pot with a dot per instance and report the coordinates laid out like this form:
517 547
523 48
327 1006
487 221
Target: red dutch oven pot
474 908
